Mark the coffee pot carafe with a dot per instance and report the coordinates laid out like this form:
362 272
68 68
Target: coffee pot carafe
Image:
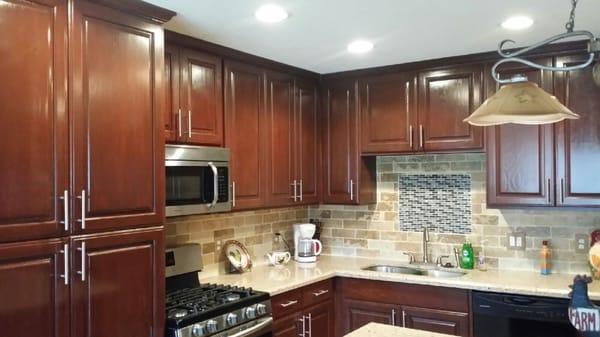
306 249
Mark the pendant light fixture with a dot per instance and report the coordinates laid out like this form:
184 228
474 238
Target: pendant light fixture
522 102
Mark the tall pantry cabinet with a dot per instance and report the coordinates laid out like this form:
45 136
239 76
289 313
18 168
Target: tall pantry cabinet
81 197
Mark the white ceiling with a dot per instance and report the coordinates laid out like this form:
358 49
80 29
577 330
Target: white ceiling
315 35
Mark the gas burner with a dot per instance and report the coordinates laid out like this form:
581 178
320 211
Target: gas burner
232 297
177 313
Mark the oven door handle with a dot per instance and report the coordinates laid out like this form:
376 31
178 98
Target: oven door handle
261 328
216 185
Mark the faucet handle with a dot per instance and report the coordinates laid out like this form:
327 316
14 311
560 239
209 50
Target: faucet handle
411 257
440 261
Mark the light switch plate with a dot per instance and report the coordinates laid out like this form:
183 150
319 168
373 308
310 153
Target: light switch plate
582 243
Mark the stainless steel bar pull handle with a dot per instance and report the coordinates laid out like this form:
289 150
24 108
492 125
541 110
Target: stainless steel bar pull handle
320 292
549 189
65 199
179 124
189 123
65 274
351 187
82 271
421 136
233 194
403 319
83 208
562 190
285 305
294 185
300 188
303 330
393 316
309 325
410 136
216 185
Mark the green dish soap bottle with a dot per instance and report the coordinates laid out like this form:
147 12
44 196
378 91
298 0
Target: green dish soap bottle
467 256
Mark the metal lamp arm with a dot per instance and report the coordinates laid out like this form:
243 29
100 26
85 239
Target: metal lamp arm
549 40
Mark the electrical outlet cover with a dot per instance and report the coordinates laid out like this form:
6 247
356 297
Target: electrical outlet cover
582 243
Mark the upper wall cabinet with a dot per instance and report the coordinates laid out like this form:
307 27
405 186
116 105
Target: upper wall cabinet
388 113
244 116
578 141
348 178
33 122
446 98
116 102
307 141
520 158
194 97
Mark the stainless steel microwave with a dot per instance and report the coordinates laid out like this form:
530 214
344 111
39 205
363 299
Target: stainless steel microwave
197 180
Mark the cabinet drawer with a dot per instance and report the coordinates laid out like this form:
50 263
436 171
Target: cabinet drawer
287 303
317 292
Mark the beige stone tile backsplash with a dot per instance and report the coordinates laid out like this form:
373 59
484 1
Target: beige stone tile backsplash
372 231
255 229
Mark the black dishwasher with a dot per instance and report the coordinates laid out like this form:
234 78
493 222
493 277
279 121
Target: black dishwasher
503 315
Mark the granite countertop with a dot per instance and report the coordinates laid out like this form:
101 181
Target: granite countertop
276 280
379 330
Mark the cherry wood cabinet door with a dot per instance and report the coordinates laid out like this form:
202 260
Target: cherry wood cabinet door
118 284
308 150
35 297
388 113
320 319
172 119
202 98
33 119
578 141
520 158
357 313
288 326
340 143
282 186
117 129
440 321
446 98
244 115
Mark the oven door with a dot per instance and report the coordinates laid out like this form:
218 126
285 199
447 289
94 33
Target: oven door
196 187
262 327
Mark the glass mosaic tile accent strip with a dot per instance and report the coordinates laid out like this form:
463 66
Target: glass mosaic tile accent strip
440 201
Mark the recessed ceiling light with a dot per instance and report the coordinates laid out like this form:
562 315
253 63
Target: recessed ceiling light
271 13
517 23
360 46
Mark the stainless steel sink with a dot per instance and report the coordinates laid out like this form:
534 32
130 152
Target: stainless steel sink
440 273
394 269
437 273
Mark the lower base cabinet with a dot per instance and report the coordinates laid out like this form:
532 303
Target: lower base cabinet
102 285
429 308
305 312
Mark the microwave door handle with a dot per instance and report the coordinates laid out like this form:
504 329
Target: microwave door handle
216 185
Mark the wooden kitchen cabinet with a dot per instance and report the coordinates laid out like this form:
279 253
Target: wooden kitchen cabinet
388 113
307 141
520 158
35 297
578 141
118 284
446 98
244 134
118 152
435 309
440 321
305 311
34 119
282 188
348 178
194 87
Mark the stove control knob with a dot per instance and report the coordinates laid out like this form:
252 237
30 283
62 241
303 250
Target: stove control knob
261 309
212 326
198 330
250 312
232 319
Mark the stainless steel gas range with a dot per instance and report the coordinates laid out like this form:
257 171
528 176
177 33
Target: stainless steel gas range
216 310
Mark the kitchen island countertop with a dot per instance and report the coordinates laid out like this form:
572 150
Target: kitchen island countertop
384 330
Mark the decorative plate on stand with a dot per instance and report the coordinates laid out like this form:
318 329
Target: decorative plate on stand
238 255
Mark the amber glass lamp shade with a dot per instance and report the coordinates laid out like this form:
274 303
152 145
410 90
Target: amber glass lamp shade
520 103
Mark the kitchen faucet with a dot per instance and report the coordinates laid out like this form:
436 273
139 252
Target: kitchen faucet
425 241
